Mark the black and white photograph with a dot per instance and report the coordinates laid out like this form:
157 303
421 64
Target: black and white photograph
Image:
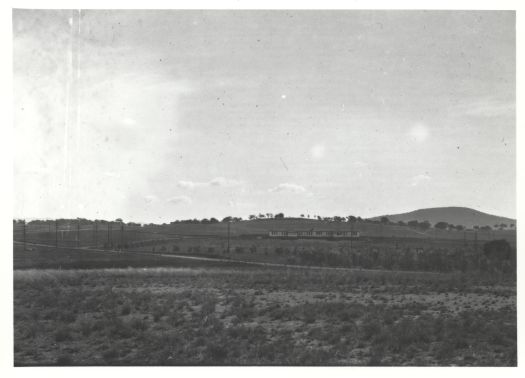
264 187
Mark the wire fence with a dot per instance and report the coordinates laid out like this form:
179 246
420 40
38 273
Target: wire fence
461 253
106 235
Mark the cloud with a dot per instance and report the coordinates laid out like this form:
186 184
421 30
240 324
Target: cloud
317 151
150 198
111 174
129 121
180 200
416 180
240 204
224 182
216 182
288 188
359 164
419 132
188 184
486 108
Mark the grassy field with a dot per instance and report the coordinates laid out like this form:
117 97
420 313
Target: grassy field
425 303
443 255
261 316
383 253
36 257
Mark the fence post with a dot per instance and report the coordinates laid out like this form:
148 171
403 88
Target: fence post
56 234
24 231
476 248
351 236
228 236
96 231
121 235
109 233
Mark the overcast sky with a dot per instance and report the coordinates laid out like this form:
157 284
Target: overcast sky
161 115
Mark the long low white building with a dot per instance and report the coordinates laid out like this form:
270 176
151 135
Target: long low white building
314 234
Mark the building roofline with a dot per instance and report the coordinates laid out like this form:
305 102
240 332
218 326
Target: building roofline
313 230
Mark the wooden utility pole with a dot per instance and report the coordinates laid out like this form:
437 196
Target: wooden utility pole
109 233
476 248
56 233
96 234
351 234
24 232
228 236
78 233
121 235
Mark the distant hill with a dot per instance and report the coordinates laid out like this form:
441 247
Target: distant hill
455 215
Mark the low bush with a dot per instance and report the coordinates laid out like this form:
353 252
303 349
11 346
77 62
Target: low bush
64 360
63 333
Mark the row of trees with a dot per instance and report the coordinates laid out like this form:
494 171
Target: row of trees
501 226
424 225
71 221
335 218
208 221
